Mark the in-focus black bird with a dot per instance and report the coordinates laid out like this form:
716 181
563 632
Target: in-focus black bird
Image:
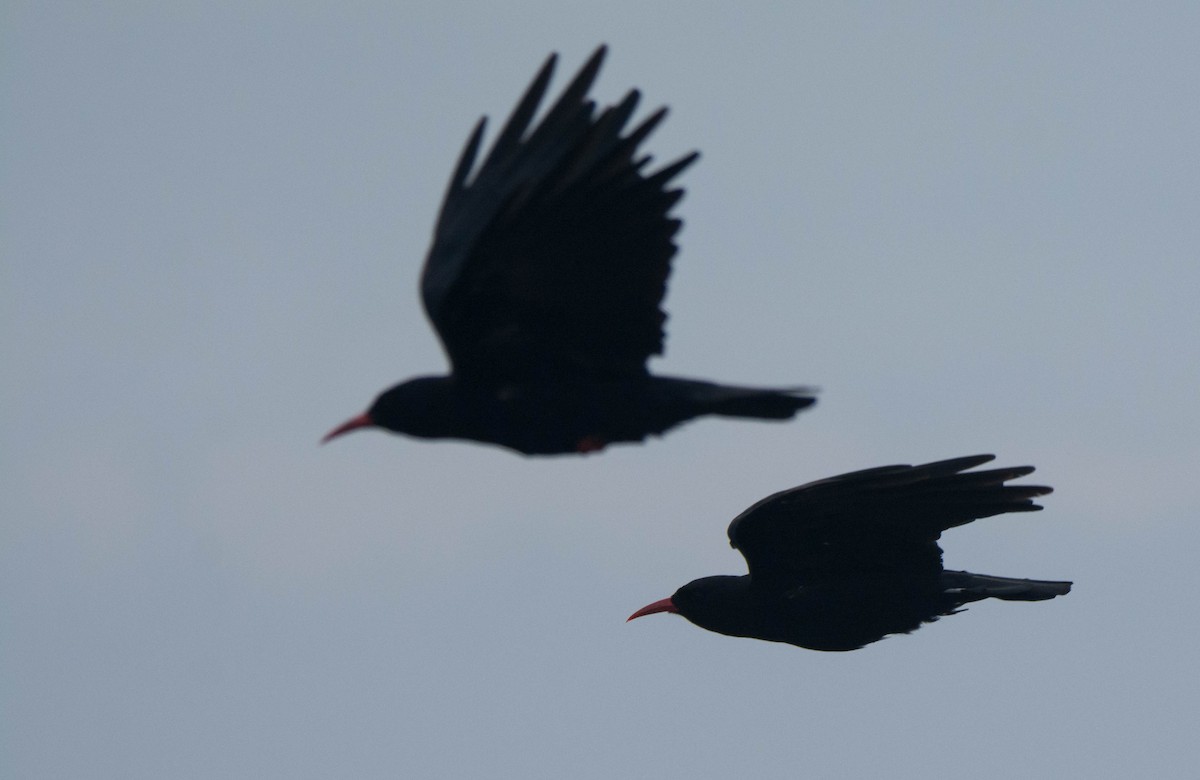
842 562
544 282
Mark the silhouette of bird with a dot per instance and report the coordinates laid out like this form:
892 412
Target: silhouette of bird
842 562
544 282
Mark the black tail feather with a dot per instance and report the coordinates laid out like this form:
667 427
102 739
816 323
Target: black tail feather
759 403
967 587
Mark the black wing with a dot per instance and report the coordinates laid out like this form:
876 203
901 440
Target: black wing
882 522
552 257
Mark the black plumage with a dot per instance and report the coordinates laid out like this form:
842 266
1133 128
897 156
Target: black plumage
842 562
544 283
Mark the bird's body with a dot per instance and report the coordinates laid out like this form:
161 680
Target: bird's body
842 615
545 282
841 563
572 415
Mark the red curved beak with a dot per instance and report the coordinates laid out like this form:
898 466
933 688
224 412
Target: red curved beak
362 421
663 605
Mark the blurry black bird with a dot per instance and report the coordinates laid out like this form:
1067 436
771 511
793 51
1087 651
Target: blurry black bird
544 282
842 562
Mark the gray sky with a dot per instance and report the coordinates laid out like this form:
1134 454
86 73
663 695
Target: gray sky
973 225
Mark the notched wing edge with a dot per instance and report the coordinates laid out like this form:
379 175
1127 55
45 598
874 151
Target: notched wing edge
465 162
1016 498
518 121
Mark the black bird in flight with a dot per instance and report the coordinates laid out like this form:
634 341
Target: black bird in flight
544 282
842 562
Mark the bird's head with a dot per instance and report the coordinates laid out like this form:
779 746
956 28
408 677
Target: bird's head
418 407
717 603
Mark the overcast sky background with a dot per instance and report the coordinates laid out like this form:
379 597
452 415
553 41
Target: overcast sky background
975 226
